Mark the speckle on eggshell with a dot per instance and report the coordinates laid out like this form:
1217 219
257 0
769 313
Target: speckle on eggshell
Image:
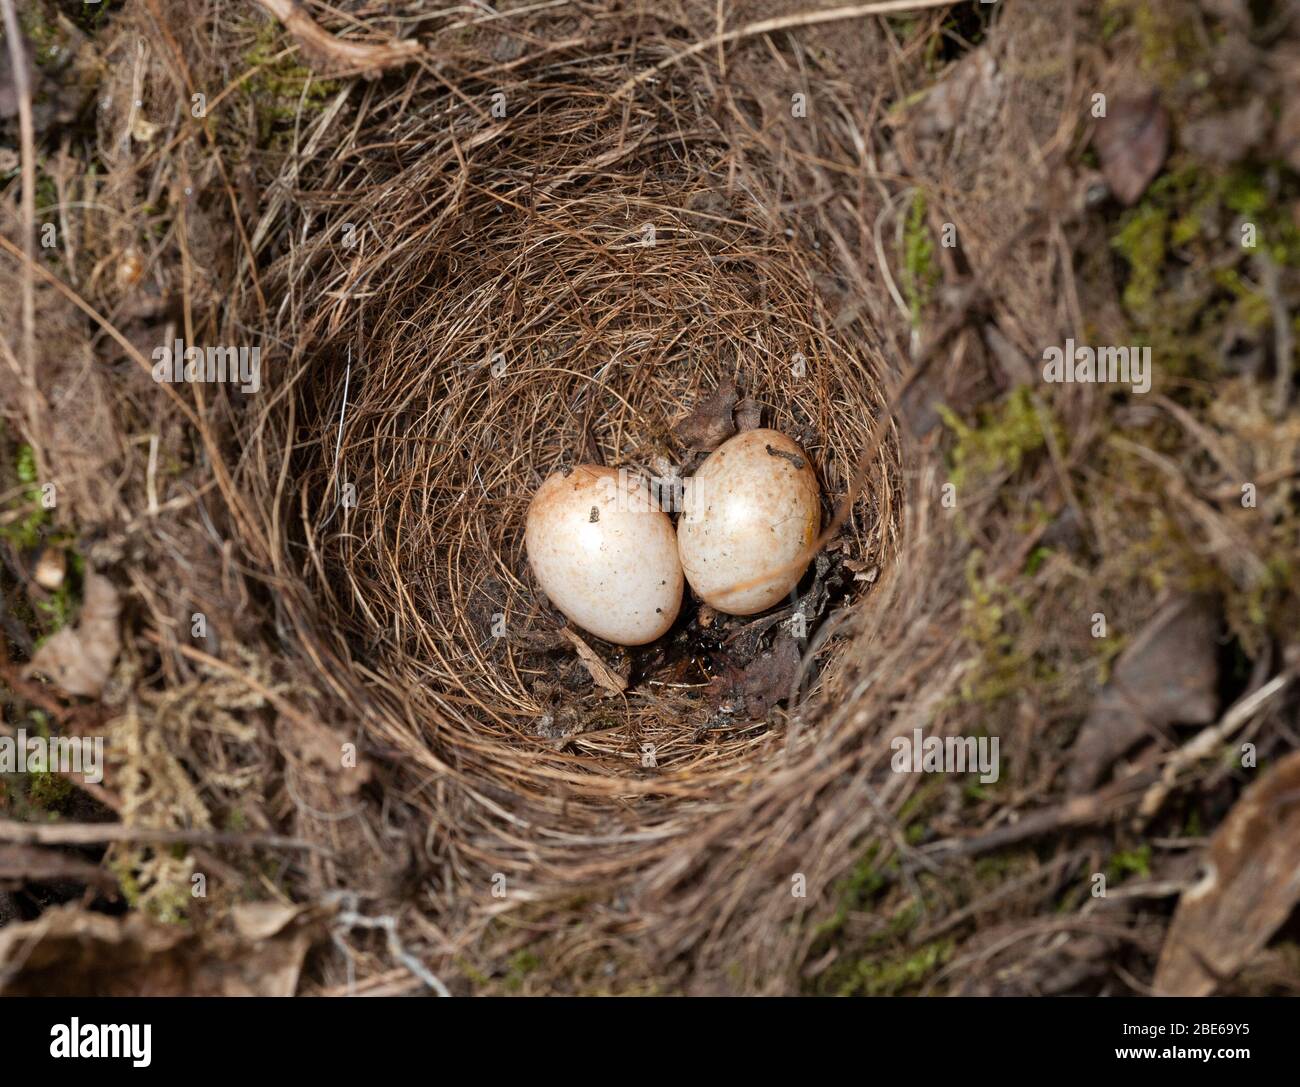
751 510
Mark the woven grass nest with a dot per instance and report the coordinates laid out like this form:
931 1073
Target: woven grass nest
482 302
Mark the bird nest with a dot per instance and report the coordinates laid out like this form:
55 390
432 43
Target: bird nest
511 280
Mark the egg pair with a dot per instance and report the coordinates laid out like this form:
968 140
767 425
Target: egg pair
606 555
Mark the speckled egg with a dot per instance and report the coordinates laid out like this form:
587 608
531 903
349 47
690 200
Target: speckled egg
751 510
605 554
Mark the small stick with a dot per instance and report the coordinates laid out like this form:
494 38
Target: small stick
27 138
1205 742
367 58
102 833
784 22
1077 811
32 865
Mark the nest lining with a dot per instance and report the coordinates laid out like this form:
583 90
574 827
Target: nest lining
545 330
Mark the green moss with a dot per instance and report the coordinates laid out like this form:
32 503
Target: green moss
920 272
1107 650
854 893
48 790
59 608
888 975
993 621
1129 862
25 533
1001 440
283 87
26 464
875 965
1247 192
1141 241
1252 307
1179 243
47 38
1037 557
1168 47
522 963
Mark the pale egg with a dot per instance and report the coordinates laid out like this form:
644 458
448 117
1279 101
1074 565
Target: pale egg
605 554
750 513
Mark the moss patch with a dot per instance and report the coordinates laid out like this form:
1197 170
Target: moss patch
1004 436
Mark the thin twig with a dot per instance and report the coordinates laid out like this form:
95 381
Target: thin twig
27 136
102 833
784 22
1208 740
340 55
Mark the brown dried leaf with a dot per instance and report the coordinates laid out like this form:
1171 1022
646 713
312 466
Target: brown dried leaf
1132 141
971 90
79 659
1168 675
711 423
605 678
1250 885
68 951
769 677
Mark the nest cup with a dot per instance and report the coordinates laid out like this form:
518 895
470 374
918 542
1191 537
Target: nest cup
526 293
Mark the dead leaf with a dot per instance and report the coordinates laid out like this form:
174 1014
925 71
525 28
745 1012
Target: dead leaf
604 677
1249 885
862 571
79 659
971 90
711 423
1234 12
770 676
262 920
1012 360
764 682
1168 675
920 405
1132 141
68 951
